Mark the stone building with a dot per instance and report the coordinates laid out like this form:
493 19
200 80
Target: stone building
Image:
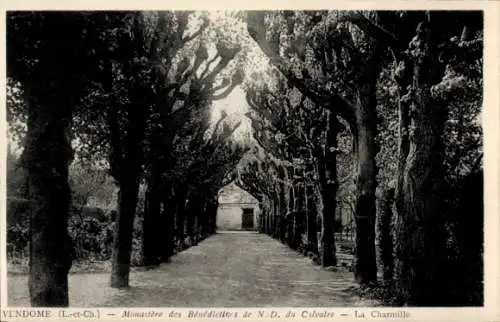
238 209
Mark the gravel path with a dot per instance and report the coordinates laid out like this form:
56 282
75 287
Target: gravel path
225 270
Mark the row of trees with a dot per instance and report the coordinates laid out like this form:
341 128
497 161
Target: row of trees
132 91
360 104
355 92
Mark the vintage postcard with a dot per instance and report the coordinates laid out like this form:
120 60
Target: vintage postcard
305 161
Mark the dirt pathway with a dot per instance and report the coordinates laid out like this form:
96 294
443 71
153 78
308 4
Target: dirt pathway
225 270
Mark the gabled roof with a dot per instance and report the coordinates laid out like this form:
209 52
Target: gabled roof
231 193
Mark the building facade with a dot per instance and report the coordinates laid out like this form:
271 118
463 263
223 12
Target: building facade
238 209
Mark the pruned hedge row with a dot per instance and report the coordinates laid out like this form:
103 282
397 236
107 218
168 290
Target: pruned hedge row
90 229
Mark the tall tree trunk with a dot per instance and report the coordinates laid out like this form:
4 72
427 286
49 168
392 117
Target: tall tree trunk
269 216
151 224
212 207
288 226
48 154
197 219
403 80
318 205
180 198
209 211
126 165
122 242
208 218
385 235
272 208
422 231
262 217
277 212
283 209
202 220
291 215
300 219
283 229
329 186
167 224
190 214
311 221
266 220
291 201
365 268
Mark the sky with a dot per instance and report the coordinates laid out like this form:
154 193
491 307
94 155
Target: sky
235 104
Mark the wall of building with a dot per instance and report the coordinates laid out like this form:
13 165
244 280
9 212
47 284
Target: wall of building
229 215
232 200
